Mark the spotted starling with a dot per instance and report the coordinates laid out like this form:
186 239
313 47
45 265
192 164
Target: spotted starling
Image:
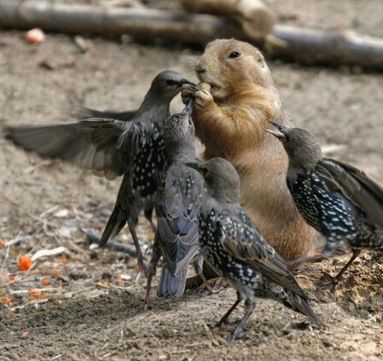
338 200
178 205
233 247
131 146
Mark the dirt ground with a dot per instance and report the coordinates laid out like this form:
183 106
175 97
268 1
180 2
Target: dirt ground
87 305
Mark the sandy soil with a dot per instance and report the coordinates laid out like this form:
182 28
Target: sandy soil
92 307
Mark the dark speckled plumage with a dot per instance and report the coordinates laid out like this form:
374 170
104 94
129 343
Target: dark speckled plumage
178 205
114 144
338 200
235 250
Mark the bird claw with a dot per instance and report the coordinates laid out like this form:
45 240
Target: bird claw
220 323
237 334
328 280
213 325
212 286
147 306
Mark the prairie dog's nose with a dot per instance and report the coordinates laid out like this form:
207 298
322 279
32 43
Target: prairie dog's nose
200 68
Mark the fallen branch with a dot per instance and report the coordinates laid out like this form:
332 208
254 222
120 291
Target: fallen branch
255 17
310 46
140 23
306 46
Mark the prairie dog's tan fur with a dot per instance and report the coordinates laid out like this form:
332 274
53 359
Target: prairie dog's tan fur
233 106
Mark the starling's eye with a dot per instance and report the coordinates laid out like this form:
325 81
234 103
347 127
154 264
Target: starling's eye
287 138
204 171
171 82
234 55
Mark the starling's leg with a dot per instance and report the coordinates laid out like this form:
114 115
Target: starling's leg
148 212
238 331
196 281
335 280
140 259
156 255
225 317
198 267
297 262
328 252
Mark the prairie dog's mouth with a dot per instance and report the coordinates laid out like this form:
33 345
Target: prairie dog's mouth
205 78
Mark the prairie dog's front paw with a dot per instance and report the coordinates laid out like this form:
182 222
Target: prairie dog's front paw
202 96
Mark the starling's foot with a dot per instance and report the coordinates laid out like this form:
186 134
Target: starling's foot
329 281
213 325
212 286
237 334
220 323
147 305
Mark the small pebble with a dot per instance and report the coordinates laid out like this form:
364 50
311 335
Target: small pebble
35 36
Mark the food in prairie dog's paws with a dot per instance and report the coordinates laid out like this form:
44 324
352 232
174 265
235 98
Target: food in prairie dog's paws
230 119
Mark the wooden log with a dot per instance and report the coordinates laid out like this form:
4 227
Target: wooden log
256 18
306 46
310 46
140 23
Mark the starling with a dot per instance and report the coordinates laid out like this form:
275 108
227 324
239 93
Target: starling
235 250
178 206
338 200
131 146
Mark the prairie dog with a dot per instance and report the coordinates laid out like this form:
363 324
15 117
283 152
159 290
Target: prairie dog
234 103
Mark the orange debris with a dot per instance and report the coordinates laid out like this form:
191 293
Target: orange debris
45 282
6 300
64 260
25 263
55 272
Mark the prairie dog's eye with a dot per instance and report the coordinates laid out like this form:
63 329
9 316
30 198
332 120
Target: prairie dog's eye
234 55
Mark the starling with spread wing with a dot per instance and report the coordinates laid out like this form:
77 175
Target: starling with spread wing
338 200
235 250
130 145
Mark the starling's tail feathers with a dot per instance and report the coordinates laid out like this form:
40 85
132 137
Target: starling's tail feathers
292 300
301 305
171 285
115 223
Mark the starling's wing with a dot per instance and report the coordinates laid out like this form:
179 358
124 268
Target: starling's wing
91 144
87 113
249 247
355 186
177 218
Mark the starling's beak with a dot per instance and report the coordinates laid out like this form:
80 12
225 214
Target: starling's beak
189 107
276 134
185 81
282 131
197 166
194 165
